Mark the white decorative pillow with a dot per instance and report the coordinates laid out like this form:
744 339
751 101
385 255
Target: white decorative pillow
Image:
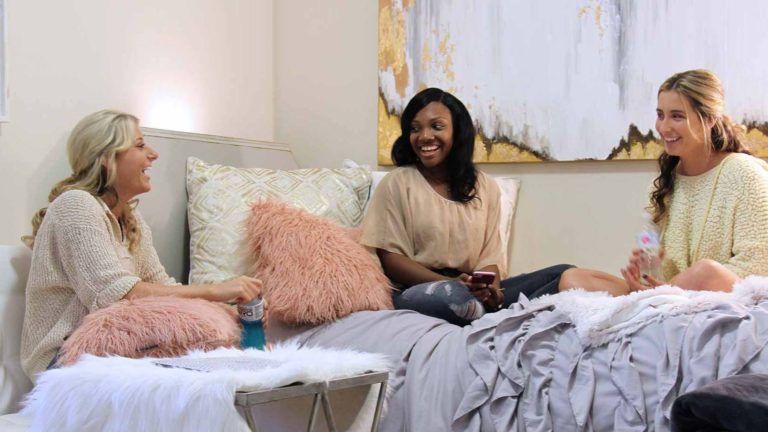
509 186
509 189
376 176
219 204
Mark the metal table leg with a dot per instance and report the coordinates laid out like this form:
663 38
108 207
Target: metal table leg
328 412
320 392
313 414
249 418
379 406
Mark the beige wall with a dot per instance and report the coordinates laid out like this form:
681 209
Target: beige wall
326 81
326 87
191 65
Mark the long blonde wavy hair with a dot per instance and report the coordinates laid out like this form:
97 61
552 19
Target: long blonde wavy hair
92 148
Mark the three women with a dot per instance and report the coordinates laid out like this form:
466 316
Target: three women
433 220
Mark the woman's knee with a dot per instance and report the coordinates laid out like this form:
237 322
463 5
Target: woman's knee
449 300
592 280
572 277
706 268
706 275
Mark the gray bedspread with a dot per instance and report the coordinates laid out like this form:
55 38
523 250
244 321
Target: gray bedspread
571 362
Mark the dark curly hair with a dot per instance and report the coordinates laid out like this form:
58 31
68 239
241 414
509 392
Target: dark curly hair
459 166
704 92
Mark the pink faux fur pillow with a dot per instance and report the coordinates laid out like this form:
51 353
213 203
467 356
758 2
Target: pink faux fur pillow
312 270
153 327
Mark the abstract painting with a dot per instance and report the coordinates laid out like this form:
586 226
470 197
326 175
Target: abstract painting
565 80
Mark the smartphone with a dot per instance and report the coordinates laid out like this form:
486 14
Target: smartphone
483 277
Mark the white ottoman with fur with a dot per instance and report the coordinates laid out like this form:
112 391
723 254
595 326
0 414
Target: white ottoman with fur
122 394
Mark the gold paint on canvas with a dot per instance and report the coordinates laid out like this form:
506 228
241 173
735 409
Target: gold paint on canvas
505 152
389 130
598 13
446 52
757 141
640 150
392 44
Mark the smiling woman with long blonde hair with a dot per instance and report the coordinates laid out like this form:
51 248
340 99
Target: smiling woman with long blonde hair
92 148
90 246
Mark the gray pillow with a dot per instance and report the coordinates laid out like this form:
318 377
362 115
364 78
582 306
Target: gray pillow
736 403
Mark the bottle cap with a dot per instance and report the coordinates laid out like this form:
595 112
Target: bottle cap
252 311
648 240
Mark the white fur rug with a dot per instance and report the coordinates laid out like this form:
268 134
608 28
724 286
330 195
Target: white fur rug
121 394
600 318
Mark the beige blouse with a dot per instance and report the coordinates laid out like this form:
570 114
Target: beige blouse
408 217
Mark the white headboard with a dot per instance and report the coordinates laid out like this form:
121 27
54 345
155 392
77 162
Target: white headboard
165 206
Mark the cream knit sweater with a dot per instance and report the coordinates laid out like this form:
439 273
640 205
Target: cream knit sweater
79 264
721 215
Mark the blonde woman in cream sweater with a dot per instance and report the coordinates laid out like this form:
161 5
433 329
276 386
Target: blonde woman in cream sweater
711 197
90 246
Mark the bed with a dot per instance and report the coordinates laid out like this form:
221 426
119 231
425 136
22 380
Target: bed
574 361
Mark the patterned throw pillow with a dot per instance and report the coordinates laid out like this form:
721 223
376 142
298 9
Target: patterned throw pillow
220 197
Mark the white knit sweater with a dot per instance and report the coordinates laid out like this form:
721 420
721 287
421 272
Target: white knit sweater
80 263
721 215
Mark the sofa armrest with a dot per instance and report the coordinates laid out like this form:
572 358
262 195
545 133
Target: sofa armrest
14 268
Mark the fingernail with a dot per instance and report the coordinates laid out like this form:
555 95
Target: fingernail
645 276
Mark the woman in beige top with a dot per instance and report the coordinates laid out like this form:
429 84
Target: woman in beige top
91 248
710 198
434 221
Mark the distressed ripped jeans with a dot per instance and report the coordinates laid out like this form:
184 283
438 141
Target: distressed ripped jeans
452 301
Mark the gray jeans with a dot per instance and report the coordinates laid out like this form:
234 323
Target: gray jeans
452 301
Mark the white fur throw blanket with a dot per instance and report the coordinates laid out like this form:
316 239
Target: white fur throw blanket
122 394
600 318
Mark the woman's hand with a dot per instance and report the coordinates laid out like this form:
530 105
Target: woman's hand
242 289
488 294
636 281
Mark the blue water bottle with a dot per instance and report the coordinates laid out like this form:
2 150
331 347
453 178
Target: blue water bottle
253 330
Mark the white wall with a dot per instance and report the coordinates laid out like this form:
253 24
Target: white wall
191 65
584 213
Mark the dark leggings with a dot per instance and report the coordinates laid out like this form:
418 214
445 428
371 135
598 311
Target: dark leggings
452 301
